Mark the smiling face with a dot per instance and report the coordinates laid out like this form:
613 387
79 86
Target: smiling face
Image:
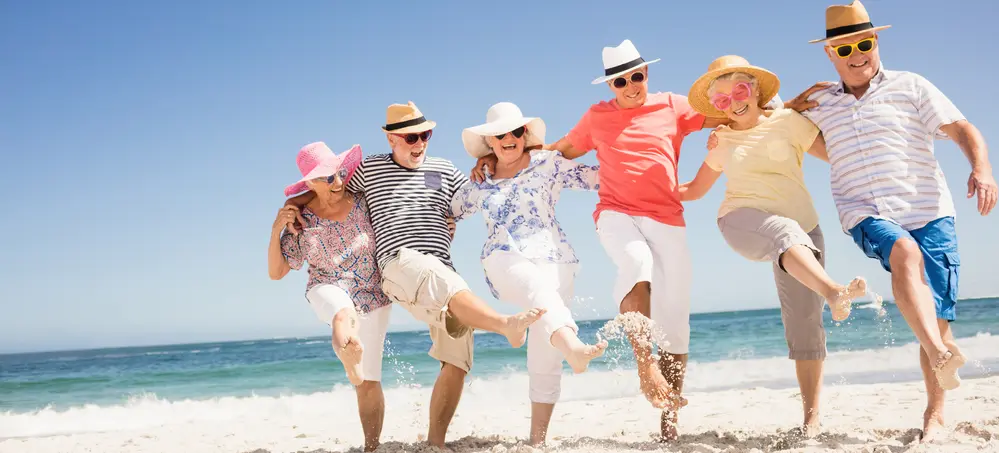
410 150
631 89
737 95
329 191
508 148
857 69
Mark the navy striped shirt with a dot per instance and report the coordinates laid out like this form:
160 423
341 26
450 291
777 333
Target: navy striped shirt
409 207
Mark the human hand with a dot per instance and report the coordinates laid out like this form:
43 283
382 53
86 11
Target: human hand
982 183
451 226
712 140
286 218
483 165
801 103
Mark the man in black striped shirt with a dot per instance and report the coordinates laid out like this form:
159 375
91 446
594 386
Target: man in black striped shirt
409 200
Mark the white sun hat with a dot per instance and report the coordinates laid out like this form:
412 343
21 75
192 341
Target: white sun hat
621 59
501 118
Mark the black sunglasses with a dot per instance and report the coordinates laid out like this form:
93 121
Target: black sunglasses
518 132
411 139
621 82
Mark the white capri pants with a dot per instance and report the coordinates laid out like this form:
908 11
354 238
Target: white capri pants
648 251
529 284
327 300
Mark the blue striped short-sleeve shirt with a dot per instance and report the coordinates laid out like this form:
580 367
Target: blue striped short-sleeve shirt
881 149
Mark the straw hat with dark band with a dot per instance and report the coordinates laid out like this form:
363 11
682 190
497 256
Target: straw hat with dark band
847 20
406 119
769 84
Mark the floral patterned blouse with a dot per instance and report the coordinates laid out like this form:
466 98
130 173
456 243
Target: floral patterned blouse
340 254
520 211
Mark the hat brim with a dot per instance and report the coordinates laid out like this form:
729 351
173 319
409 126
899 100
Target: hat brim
349 159
603 79
474 138
878 28
415 129
769 85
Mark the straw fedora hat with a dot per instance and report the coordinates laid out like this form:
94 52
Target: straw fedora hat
621 59
847 20
501 118
698 96
406 119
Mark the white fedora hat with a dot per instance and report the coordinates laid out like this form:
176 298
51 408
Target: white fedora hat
621 59
501 118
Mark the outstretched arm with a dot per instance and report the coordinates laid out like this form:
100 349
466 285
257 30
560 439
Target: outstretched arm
565 147
980 182
705 178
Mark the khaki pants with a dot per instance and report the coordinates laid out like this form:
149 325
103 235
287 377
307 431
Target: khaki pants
424 286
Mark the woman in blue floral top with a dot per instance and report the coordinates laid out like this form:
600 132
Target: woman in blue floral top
526 257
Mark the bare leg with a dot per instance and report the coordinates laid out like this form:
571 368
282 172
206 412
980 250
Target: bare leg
673 367
444 402
655 387
473 312
577 353
371 408
801 263
810 383
541 417
915 302
933 417
347 345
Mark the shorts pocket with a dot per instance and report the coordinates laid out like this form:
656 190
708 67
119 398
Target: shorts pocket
953 263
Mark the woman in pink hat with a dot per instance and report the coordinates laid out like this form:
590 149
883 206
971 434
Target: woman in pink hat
344 287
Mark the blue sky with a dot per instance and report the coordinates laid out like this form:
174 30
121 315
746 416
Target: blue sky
145 144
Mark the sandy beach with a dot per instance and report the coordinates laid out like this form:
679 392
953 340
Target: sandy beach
870 418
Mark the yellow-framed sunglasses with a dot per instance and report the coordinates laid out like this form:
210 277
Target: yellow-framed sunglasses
864 45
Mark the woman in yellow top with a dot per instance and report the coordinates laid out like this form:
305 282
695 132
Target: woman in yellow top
767 214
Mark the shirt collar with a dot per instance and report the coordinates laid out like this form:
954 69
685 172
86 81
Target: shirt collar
875 81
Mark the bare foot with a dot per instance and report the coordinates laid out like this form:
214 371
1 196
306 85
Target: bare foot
946 369
350 356
657 390
811 430
839 304
371 447
515 330
579 359
933 427
667 427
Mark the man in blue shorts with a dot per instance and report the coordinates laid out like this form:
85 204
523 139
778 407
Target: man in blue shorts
879 126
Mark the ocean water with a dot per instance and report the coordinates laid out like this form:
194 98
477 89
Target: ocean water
76 391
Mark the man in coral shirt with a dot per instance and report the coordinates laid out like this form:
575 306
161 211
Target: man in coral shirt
639 216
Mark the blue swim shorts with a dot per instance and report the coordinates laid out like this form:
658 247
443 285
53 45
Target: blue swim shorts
938 242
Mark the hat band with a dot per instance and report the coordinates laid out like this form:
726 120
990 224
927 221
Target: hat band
847 29
412 122
624 67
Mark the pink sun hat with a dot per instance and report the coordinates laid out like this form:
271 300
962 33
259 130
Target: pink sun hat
316 160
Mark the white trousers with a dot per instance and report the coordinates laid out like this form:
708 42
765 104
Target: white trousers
527 284
328 300
648 251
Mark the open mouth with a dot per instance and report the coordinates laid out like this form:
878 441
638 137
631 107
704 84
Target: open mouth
416 154
858 65
510 147
741 110
632 96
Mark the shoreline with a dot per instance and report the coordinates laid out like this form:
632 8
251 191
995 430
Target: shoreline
870 418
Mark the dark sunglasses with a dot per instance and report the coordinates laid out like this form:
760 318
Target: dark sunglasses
411 139
518 132
621 82
864 45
